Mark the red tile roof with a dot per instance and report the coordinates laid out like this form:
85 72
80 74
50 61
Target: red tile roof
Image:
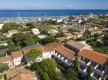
17 54
94 56
20 74
5 59
66 52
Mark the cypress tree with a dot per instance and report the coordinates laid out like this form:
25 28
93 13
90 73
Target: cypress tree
89 71
76 63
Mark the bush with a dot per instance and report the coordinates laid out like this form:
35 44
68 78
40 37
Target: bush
3 67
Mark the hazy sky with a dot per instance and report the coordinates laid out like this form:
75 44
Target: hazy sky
53 4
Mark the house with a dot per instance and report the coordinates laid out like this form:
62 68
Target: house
3 43
10 33
94 31
64 31
98 61
68 35
75 46
65 55
61 38
35 31
17 57
42 36
78 34
20 74
7 59
52 32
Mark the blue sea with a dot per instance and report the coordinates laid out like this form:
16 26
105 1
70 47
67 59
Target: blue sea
37 13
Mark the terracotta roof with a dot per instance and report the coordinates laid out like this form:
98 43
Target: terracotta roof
13 31
66 52
68 34
46 48
5 59
41 48
20 74
94 56
95 30
88 26
17 54
64 30
75 44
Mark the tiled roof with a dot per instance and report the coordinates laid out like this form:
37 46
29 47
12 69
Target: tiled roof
5 59
66 52
46 48
20 74
17 54
95 30
68 34
94 56
75 44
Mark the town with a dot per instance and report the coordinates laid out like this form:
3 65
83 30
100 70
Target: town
54 48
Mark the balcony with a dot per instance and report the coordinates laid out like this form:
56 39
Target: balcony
101 68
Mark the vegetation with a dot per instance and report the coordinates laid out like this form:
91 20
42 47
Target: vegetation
3 67
2 55
47 40
10 26
47 70
76 64
22 39
71 74
33 54
89 71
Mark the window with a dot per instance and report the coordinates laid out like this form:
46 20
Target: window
82 67
93 64
100 67
97 76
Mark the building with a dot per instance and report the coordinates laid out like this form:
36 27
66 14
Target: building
65 55
7 59
93 31
75 46
52 32
20 74
10 33
68 35
98 61
78 34
17 57
64 31
35 31
61 38
3 43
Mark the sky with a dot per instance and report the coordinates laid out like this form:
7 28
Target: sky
53 4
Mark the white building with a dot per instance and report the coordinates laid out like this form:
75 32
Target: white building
35 31
10 33
98 61
17 57
3 43
65 55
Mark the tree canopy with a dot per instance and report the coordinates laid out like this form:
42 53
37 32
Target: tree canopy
3 67
33 54
10 26
47 70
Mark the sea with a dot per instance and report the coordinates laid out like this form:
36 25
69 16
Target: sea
37 13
